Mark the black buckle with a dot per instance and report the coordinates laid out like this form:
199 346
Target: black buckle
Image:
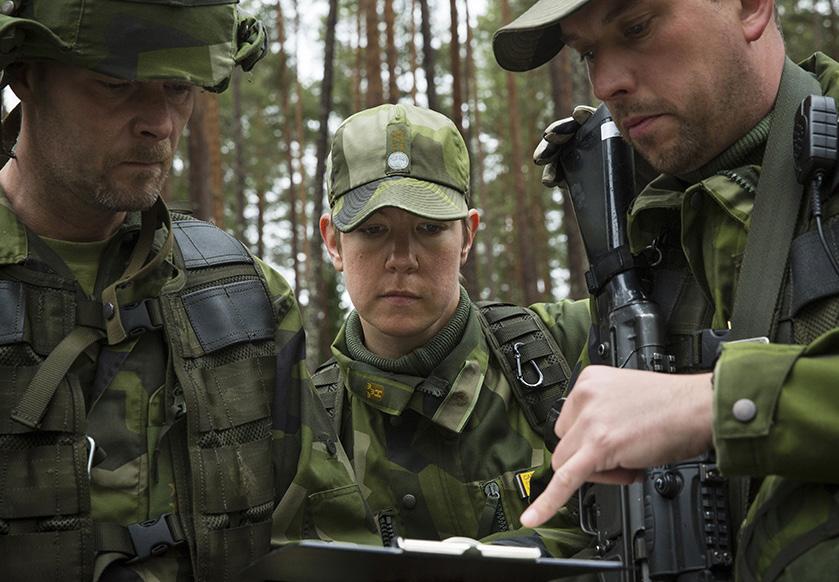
151 538
137 317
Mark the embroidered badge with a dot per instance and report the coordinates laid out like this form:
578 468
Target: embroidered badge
375 391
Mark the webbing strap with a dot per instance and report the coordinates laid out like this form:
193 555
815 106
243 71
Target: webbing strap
775 214
33 404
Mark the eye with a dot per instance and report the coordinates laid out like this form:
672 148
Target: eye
116 86
433 227
178 92
372 230
638 29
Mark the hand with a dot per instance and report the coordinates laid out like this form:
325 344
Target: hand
616 422
556 135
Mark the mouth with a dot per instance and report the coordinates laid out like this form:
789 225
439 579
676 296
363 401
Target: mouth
399 295
638 125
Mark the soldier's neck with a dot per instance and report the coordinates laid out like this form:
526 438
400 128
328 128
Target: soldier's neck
50 210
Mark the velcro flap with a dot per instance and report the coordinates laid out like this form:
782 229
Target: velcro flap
40 481
813 277
228 314
203 245
12 312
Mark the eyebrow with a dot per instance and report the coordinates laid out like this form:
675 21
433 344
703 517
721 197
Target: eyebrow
611 16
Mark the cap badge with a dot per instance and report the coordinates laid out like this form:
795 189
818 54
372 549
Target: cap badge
398 161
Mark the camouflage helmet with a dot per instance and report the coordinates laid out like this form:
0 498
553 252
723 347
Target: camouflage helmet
195 41
399 156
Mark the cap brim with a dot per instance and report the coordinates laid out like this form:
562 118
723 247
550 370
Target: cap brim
426 199
533 38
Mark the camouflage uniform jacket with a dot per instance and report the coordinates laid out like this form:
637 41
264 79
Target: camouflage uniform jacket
791 529
252 424
445 455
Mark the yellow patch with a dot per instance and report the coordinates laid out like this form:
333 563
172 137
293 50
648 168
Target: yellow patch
375 391
523 483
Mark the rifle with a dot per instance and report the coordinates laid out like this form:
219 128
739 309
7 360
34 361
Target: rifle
674 524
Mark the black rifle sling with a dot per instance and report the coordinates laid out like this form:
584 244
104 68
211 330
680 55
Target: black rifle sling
775 214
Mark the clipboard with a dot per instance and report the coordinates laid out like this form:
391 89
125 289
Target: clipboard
415 561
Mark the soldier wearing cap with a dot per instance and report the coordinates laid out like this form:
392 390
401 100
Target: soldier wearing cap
155 412
440 436
703 91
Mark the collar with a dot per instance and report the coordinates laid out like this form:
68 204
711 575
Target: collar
447 395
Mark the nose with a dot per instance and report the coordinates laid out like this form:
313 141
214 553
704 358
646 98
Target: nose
154 118
611 76
402 256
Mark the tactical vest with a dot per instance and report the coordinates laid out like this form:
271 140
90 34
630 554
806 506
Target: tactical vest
217 319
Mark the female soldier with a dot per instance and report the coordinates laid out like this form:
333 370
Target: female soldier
442 441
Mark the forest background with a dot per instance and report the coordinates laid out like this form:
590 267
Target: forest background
253 158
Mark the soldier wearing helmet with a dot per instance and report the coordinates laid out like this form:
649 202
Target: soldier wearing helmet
156 418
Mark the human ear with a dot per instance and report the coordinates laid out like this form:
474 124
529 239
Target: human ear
472 221
330 239
755 16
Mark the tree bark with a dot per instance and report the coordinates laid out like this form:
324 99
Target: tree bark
390 25
562 89
526 271
299 133
260 223
483 262
454 60
213 130
372 55
200 193
412 51
320 314
239 153
288 132
428 56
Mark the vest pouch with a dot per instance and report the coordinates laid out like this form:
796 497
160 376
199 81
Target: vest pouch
45 555
236 548
793 535
814 301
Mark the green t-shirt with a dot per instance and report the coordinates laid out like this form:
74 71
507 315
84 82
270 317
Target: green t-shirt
82 258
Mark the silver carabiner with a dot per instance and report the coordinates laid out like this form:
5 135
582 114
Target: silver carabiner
90 456
519 375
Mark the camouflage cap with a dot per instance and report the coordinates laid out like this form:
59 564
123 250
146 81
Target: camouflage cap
401 156
533 38
196 41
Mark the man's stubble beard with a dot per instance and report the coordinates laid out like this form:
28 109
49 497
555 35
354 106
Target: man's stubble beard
697 136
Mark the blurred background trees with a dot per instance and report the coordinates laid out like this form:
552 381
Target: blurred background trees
253 159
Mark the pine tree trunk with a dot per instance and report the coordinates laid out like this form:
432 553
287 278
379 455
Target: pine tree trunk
260 223
482 256
526 271
428 56
213 129
372 55
239 155
200 194
288 132
323 319
454 59
357 75
412 51
302 198
562 89
390 25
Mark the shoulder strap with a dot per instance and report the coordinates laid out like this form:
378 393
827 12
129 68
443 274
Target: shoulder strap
530 358
327 381
776 212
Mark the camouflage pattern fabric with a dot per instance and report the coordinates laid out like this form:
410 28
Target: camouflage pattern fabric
194 41
791 532
128 391
397 155
452 454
